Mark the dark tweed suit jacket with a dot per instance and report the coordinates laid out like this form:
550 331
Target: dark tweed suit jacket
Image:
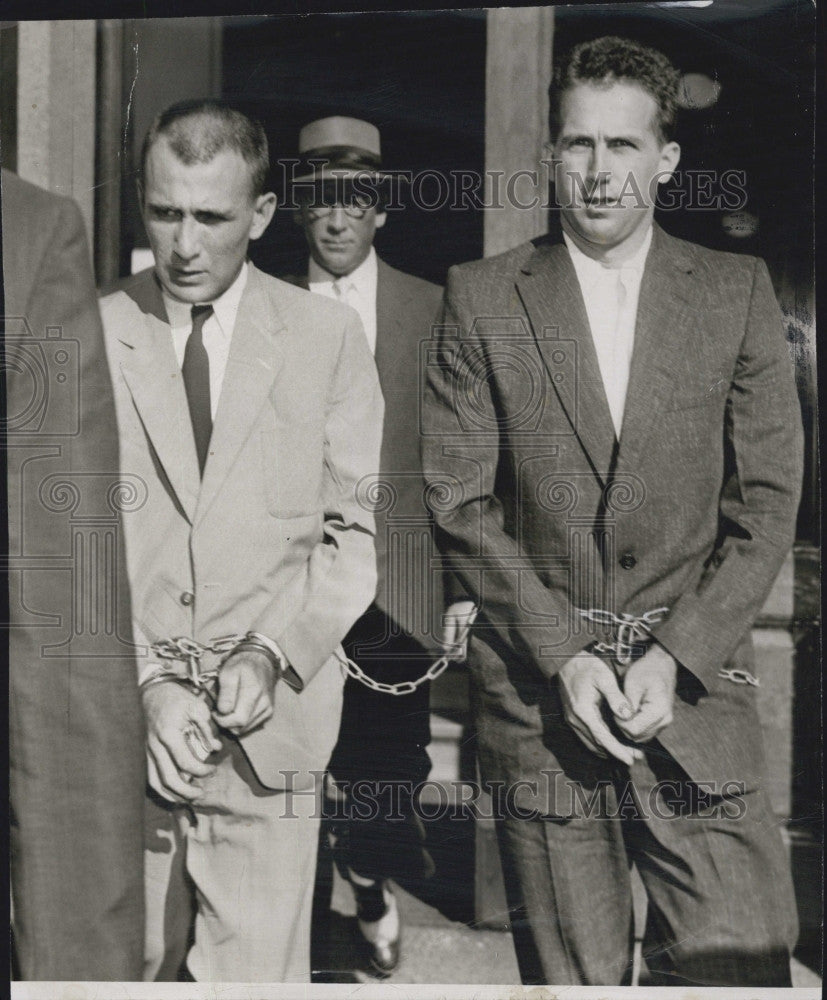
406 307
75 724
694 510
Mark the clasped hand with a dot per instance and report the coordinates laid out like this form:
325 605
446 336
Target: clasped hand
182 732
640 710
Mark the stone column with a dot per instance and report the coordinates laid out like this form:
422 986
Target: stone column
517 76
56 109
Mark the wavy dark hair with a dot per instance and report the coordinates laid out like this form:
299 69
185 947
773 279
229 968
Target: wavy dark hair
609 59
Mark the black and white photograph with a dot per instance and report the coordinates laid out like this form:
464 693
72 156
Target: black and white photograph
412 556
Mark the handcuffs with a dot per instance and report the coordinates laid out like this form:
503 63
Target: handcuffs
189 652
204 682
633 632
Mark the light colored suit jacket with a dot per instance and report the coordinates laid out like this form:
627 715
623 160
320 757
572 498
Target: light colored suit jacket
694 510
275 538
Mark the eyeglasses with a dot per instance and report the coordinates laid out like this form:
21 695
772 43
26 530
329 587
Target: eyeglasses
355 208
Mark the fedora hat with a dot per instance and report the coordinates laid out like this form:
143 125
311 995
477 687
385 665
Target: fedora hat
339 148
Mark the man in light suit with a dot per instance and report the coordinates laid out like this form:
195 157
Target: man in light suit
615 412
252 412
383 738
75 723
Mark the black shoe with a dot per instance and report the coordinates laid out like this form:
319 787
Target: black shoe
377 918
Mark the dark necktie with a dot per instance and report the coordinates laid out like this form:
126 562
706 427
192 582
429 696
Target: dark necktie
196 373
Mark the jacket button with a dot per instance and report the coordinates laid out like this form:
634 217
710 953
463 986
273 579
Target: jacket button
628 561
187 598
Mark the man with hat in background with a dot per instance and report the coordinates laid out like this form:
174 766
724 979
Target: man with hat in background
382 740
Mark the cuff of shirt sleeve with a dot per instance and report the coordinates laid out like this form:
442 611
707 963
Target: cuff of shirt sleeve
552 658
147 671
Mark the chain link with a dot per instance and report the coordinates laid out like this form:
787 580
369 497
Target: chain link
739 676
631 629
184 648
436 668
400 688
190 651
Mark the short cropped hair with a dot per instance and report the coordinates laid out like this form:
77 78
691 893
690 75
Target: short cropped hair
607 60
198 130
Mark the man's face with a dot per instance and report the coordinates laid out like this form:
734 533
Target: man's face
338 240
200 219
610 161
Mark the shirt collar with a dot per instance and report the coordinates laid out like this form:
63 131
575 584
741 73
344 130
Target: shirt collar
590 270
363 277
225 307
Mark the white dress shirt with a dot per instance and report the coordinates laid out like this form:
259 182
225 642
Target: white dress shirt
611 296
357 289
217 333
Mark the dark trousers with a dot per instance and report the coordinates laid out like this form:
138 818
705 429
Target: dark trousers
721 909
381 756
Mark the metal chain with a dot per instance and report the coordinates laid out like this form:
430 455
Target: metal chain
630 629
408 687
400 688
182 648
739 676
190 652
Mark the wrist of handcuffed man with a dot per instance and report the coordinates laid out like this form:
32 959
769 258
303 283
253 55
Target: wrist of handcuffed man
163 675
256 642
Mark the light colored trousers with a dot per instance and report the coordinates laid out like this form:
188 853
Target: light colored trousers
249 856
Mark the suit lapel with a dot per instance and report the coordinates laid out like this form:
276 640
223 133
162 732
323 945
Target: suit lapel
253 364
664 318
552 298
390 315
151 372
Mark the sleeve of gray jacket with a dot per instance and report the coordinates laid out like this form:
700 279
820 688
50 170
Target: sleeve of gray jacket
759 497
342 567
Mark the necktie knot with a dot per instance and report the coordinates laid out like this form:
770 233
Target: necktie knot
200 315
344 287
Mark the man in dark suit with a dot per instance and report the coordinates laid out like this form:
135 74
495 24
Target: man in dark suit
75 723
615 412
382 741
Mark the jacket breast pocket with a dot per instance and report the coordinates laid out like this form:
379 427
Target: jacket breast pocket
292 462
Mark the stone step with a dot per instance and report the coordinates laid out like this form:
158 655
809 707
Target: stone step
445 749
450 749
